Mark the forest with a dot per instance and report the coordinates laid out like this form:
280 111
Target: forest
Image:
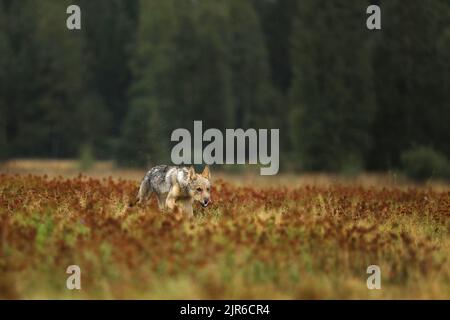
345 98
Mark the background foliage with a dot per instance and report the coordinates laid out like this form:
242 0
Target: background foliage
343 96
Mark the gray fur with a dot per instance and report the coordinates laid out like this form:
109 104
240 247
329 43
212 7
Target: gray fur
160 180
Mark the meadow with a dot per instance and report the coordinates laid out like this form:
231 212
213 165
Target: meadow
309 237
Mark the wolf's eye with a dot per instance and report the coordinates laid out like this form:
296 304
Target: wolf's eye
199 189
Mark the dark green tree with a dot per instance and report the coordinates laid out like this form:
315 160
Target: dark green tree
206 89
411 78
137 145
5 54
181 70
60 71
149 94
254 97
45 92
18 63
276 20
442 130
109 30
200 60
331 94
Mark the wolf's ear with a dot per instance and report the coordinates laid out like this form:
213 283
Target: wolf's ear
206 174
191 173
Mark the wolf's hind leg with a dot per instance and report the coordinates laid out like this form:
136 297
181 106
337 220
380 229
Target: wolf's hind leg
161 201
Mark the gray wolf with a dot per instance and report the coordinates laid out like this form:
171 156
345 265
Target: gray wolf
176 188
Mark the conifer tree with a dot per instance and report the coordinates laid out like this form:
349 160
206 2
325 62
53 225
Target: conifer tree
332 94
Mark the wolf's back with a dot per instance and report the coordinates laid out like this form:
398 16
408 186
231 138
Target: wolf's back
160 178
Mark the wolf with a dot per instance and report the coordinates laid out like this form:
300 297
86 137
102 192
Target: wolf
176 188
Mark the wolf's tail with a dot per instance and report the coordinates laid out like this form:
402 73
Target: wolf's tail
143 193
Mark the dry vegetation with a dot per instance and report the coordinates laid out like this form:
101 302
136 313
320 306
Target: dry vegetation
284 240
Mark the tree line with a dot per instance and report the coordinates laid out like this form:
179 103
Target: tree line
343 96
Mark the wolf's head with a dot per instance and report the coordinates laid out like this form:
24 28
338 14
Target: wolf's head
199 186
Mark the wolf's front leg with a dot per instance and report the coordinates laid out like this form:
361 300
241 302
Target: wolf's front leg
187 208
172 196
189 211
171 202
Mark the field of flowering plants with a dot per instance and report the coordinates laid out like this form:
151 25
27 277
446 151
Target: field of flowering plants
256 241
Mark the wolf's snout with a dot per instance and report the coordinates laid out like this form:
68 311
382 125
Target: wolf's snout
205 202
